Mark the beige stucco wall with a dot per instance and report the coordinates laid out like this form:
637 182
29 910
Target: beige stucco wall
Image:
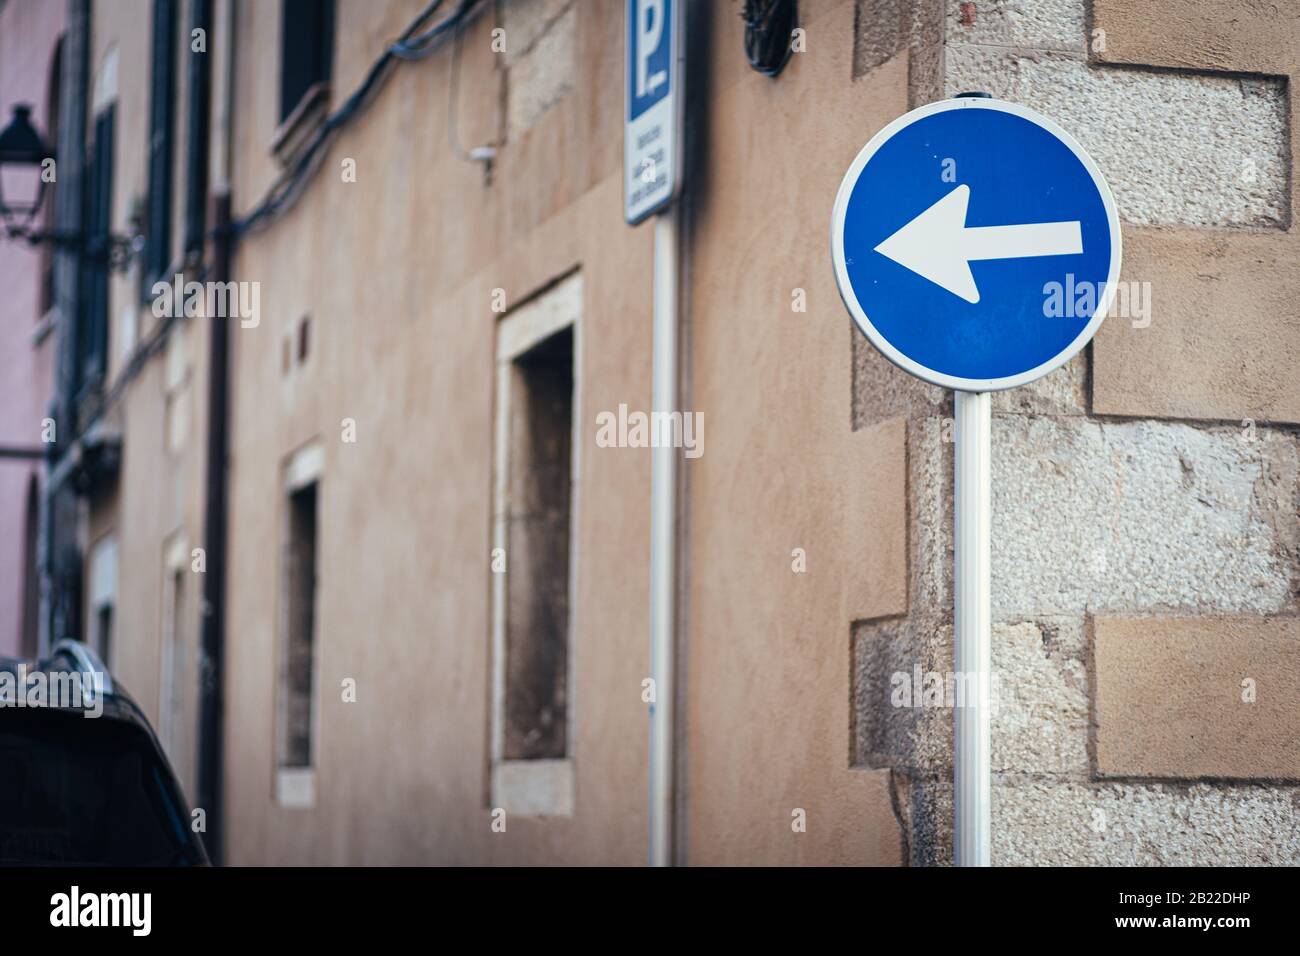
768 647
397 271
159 493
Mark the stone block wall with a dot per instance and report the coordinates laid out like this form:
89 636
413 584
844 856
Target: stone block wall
1145 576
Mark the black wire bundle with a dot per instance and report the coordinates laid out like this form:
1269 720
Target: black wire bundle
768 26
407 47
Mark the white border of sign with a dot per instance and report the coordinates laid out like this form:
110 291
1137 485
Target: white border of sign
859 314
676 107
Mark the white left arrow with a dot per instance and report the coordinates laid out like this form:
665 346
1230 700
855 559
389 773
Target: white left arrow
939 246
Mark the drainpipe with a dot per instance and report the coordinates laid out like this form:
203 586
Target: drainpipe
215 517
663 538
212 645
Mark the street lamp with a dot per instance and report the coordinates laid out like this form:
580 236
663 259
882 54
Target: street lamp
22 151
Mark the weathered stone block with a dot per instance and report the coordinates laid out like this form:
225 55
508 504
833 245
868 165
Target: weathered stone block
1139 516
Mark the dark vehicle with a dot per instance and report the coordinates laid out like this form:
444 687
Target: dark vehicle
83 781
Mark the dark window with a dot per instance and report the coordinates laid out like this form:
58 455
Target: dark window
178 713
306 49
92 331
537 580
295 744
197 116
31 573
162 113
52 92
104 634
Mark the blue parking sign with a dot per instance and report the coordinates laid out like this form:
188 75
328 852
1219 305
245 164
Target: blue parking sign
652 139
650 54
976 244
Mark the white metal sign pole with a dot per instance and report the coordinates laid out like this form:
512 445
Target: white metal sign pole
972 641
652 174
663 542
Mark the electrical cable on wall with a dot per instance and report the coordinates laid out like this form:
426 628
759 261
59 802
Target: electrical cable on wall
408 46
290 183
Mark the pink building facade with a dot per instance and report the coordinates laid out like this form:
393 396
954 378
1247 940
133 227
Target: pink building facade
30 32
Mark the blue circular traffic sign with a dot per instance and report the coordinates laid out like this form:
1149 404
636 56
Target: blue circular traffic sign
976 244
